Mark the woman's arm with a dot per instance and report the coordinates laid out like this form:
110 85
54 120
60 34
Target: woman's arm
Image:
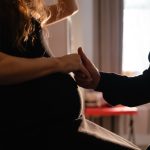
61 10
15 70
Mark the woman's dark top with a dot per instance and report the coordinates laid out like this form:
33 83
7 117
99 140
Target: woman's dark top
32 48
130 91
42 107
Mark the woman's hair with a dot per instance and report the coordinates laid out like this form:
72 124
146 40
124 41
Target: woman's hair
16 19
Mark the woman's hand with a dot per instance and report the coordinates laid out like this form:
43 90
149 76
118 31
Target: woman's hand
73 63
93 71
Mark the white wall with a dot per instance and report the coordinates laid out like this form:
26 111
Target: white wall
84 29
59 38
59 35
141 126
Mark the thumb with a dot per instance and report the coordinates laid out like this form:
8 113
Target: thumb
85 73
84 58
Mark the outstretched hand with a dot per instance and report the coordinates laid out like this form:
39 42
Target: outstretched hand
93 71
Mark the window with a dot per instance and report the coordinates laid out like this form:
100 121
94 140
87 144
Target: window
136 36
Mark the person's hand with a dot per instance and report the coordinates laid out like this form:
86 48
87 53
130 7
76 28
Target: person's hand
94 73
73 63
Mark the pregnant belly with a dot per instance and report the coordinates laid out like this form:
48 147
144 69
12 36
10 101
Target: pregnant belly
51 97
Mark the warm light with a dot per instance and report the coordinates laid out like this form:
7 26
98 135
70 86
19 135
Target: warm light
136 33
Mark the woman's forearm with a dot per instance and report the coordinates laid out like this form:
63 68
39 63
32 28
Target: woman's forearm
16 70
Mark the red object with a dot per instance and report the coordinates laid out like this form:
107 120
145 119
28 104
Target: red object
110 111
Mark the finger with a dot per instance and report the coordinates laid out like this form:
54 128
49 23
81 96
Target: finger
82 75
80 52
84 58
82 82
85 72
79 78
86 62
79 75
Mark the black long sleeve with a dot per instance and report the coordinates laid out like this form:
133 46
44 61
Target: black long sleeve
129 91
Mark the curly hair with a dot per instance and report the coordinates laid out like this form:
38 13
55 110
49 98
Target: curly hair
16 17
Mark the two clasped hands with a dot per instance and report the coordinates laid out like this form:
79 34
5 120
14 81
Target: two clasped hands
87 76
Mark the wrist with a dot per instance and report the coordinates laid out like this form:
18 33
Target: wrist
60 64
97 83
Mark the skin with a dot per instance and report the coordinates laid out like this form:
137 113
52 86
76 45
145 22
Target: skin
93 71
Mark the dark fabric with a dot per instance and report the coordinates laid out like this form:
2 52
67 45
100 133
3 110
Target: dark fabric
38 111
130 91
57 92
32 48
148 148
